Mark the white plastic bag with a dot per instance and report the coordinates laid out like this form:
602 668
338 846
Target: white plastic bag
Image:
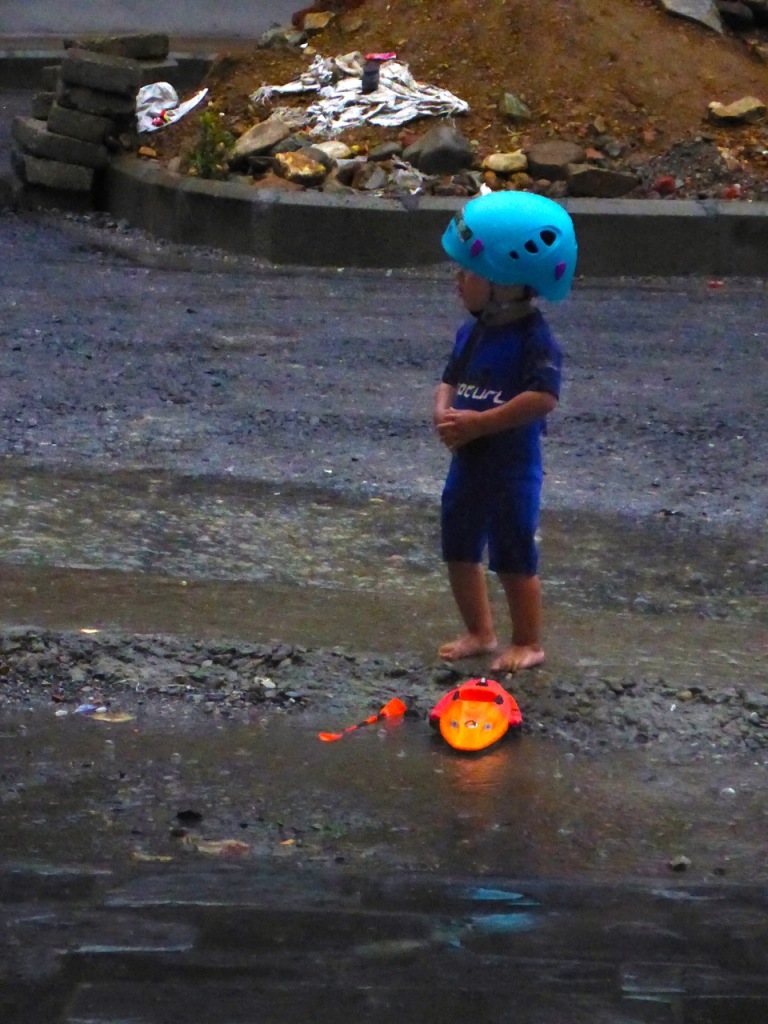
159 102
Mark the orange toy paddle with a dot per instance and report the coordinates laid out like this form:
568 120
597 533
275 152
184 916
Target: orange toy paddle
392 709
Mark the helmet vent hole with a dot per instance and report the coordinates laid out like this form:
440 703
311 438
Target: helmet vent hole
530 246
548 237
515 255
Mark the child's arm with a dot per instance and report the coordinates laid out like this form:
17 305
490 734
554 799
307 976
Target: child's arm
458 427
444 398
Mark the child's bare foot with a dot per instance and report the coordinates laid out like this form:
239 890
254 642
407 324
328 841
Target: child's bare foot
466 646
515 658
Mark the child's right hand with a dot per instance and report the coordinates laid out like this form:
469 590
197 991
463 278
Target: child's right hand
459 426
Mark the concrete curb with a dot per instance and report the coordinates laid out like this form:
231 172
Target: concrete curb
617 237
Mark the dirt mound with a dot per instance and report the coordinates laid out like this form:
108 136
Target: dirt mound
589 70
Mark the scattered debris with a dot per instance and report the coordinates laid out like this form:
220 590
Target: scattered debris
344 103
218 847
157 105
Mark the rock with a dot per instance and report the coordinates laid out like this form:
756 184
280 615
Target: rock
385 151
730 159
551 189
442 150
100 71
259 139
370 177
350 22
291 144
599 182
299 169
520 181
139 46
513 108
346 173
334 149
320 156
552 159
613 148
332 184
317 21
665 185
282 38
506 163
412 152
735 14
759 9
747 110
34 138
404 178
450 187
258 165
704 12
335 7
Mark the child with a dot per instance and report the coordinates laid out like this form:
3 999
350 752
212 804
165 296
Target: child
502 379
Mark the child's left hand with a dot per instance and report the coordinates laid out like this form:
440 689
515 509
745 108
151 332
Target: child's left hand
458 427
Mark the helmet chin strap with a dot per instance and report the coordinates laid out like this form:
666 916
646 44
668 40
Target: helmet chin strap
502 310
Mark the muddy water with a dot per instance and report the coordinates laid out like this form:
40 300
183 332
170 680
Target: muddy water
397 796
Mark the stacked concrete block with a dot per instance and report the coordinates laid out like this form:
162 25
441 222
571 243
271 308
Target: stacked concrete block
150 50
92 110
85 110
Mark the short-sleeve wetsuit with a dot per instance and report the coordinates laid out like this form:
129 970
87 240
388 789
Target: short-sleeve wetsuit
493 488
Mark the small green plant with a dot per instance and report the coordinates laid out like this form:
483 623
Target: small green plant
208 157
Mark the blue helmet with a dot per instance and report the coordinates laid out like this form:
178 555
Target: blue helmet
515 238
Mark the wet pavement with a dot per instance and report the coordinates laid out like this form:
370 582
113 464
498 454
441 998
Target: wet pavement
276 947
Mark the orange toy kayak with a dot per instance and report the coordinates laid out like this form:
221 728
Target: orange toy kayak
475 714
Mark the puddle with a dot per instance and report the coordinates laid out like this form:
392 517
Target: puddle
81 790
212 530
143 553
